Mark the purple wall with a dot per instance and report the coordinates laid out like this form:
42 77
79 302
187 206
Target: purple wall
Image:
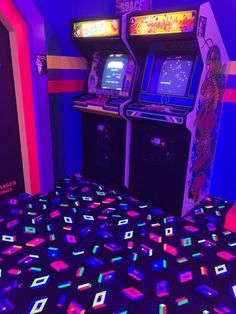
65 121
37 41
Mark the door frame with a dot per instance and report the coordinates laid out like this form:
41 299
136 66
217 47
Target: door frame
28 113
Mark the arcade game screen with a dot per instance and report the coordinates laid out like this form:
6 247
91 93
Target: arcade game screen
114 72
109 72
171 75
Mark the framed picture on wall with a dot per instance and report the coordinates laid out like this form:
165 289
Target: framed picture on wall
41 64
133 5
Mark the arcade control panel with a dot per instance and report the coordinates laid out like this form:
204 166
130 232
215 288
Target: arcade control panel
159 112
166 93
85 248
102 101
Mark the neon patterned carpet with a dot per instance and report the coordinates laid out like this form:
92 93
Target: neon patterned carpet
86 249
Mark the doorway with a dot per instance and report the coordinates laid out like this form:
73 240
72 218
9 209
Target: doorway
11 170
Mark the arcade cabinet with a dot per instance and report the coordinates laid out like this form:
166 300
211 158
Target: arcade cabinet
110 84
176 117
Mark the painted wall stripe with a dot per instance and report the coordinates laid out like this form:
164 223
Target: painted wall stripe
232 68
231 84
57 75
226 104
65 86
62 62
230 95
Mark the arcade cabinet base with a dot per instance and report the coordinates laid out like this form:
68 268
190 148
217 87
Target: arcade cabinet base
159 158
103 149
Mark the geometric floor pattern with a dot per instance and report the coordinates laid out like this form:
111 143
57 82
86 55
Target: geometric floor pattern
84 248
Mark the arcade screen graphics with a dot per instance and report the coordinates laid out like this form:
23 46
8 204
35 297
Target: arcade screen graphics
114 72
111 74
163 23
171 75
101 28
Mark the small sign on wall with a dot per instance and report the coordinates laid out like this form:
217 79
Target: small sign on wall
41 64
123 6
202 26
8 188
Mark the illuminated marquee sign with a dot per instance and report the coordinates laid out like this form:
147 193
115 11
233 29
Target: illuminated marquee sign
132 5
165 23
101 28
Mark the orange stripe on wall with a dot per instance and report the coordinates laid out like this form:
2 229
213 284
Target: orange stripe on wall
232 68
64 62
65 86
230 95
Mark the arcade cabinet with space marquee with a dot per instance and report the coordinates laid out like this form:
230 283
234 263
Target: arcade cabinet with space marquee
109 85
175 120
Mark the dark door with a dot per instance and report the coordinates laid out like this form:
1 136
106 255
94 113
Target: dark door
11 171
